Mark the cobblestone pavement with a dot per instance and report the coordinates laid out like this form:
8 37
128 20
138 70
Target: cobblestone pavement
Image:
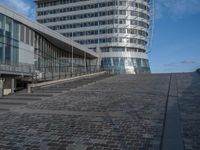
121 112
189 103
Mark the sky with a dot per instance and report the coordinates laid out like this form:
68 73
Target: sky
176 36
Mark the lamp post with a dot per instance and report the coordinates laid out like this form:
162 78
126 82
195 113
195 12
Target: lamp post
72 55
85 69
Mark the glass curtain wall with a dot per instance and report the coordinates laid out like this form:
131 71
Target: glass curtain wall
47 56
125 65
9 40
50 58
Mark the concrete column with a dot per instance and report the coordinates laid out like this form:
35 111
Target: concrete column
85 67
98 62
7 87
1 87
12 86
72 69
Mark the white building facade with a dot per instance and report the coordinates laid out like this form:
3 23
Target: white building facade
116 29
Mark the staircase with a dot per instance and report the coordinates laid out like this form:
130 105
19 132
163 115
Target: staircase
23 98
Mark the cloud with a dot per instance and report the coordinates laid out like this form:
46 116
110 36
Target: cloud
170 64
188 62
176 8
177 64
22 6
181 66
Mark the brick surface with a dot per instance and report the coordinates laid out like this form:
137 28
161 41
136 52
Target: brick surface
120 112
189 102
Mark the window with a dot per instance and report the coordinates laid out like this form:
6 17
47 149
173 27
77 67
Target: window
22 33
7 54
8 24
130 49
1 21
122 12
1 38
122 30
122 3
138 60
32 37
1 52
105 49
15 30
106 62
116 61
122 21
27 35
118 49
8 41
15 55
8 27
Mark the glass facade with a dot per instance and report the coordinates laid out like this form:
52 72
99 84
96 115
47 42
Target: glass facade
50 58
9 40
20 44
111 26
123 65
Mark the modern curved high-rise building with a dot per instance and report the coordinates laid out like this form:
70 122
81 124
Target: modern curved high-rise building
119 30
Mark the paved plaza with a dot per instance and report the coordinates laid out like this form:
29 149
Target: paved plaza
121 112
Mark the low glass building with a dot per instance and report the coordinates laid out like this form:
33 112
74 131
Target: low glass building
30 44
27 47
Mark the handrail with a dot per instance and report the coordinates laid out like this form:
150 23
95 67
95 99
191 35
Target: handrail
31 86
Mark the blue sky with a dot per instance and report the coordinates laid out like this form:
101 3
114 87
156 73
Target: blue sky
176 40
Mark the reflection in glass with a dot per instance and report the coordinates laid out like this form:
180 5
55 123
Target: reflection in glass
1 52
7 54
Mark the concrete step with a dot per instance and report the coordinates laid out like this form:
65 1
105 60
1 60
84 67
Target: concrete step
60 87
3 110
55 88
35 94
12 103
19 98
5 107
68 85
47 91
72 86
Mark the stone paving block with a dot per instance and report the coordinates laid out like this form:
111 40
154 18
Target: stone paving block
123 112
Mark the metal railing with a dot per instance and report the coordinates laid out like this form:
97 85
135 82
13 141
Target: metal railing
16 69
32 74
47 74
123 70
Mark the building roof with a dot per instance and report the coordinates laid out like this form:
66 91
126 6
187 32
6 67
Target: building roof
42 0
54 37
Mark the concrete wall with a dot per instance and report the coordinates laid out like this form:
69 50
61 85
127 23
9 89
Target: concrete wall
7 86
